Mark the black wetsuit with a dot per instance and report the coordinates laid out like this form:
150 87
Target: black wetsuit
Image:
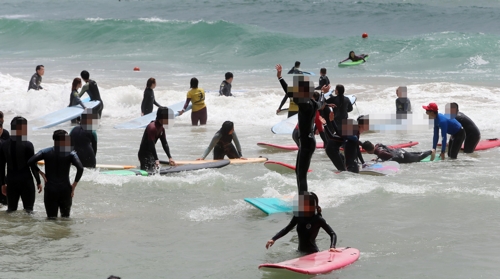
91 88
341 111
323 80
307 140
332 147
19 173
85 145
148 100
307 230
352 152
147 151
223 146
3 137
296 71
399 155
35 82
74 99
58 188
225 89
472 133
403 107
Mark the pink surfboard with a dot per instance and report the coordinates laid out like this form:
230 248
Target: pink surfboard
317 263
485 144
292 147
280 167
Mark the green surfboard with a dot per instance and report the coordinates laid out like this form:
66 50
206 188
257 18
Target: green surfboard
353 63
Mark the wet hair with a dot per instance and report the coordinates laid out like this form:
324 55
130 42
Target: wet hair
316 96
150 82
363 119
340 88
351 52
18 120
368 146
297 64
194 83
59 135
227 126
162 111
323 71
316 200
85 75
38 67
454 106
76 81
229 75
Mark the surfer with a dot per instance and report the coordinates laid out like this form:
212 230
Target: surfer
309 220
154 131
197 97
318 126
296 69
18 183
93 91
36 78
84 139
351 132
58 159
149 97
353 57
225 86
222 144
334 142
472 133
301 94
403 104
399 155
323 79
74 97
447 126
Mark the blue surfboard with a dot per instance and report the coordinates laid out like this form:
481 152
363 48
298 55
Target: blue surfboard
270 205
61 116
143 121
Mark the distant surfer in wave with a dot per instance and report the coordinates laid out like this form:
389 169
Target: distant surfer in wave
296 69
472 133
148 99
399 155
197 97
225 86
222 144
92 90
36 78
353 57
308 219
84 138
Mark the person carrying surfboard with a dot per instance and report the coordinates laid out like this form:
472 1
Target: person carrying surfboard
472 133
36 79
447 126
154 131
74 97
353 57
148 99
399 155
84 138
92 90
59 192
308 219
197 97
222 144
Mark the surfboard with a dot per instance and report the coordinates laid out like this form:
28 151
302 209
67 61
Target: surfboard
283 111
353 63
270 205
143 121
380 169
232 161
63 115
485 144
316 263
428 159
169 170
280 167
292 147
286 126
104 166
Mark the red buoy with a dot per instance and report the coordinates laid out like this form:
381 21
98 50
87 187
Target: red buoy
137 69
364 36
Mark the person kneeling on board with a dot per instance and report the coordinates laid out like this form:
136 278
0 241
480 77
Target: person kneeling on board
154 131
308 219
222 144
58 159
84 138
447 126
472 134
399 155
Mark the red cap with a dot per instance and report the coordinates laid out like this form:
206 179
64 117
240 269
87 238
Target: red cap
431 107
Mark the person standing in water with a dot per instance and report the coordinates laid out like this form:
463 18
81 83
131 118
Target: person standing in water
154 131
323 79
36 78
18 183
4 136
59 191
84 138
225 86
472 133
149 97
74 97
308 220
222 144
197 97
403 104
93 91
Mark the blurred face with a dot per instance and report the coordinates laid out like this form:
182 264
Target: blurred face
398 93
302 89
450 110
304 206
90 122
431 114
153 86
20 131
41 71
63 144
231 132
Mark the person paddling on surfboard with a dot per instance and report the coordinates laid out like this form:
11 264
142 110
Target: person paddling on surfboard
148 99
84 138
308 219
447 126
353 57
154 131
222 144
93 91
472 133
399 155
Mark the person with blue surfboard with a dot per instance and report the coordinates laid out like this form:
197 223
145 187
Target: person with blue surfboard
148 99
222 144
308 219
74 97
92 90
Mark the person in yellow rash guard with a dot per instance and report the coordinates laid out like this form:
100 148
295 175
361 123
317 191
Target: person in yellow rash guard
197 97
292 107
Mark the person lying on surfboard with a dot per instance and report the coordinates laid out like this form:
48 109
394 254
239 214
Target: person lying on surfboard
399 155
353 57
308 219
222 144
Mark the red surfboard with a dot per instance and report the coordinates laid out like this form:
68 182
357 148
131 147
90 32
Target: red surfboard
485 144
280 167
292 147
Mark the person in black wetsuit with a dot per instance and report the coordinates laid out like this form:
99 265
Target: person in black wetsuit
154 131
222 144
323 79
84 139
74 97
308 220
472 133
15 152
399 155
149 97
296 69
306 115
318 126
36 79
351 133
353 57
4 135
403 104
225 86
59 192
91 88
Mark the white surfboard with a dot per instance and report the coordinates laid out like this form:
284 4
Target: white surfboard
143 121
60 116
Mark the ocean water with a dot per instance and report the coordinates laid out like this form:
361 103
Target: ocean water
431 220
